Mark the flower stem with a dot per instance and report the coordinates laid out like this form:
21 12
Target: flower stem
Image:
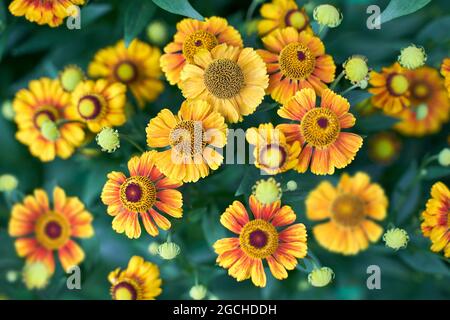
336 81
349 89
131 141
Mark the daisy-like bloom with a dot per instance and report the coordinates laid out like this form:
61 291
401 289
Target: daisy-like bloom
272 153
324 145
430 104
136 66
193 35
445 71
99 104
384 147
45 100
233 80
51 12
265 237
295 61
140 194
436 219
192 135
390 89
139 281
280 14
349 209
43 230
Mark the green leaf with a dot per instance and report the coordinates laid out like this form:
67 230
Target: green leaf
399 8
212 228
181 7
437 172
425 261
356 96
137 15
375 123
436 30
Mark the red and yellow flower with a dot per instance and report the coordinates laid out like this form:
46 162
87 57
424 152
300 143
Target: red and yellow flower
99 104
43 230
436 219
280 14
51 12
45 100
136 66
324 145
430 104
349 209
231 79
146 193
192 135
193 35
295 60
271 151
390 89
139 281
270 235
445 71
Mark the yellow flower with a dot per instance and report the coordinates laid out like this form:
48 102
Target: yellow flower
192 36
36 275
267 191
45 100
8 183
108 139
396 238
320 277
168 250
192 136
139 281
198 292
384 147
70 77
280 14
231 79
356 69
99 104
349 207
412 57
136 66
435 219
44 12
327 15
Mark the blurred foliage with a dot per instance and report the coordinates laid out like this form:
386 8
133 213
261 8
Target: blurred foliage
29 51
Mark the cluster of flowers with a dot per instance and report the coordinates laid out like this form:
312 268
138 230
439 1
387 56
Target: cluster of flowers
222 82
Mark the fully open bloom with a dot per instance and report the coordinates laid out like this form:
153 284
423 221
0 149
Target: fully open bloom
136 66
430 104
139 281
349 208
193 35
324 145
140 194
436 219
46 100
295 61
231 79
390 89
99 104
51 12
445 71
43 230
192 136
280 14
260 238
272 152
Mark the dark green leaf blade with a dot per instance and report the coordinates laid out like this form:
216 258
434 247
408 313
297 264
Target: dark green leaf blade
137 16
181 7
399 8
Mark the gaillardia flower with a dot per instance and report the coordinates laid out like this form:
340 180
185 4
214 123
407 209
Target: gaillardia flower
384 147
139 281
192 136
140 194
46 100
231 79
260 238
430 104
51 12
436 219
99 104
390 89
43 230
136 66
445 71
193 35
324 145
272 153
280 14
295 61
349 208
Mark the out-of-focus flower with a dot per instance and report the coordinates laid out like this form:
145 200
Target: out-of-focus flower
291 185
444 157
153 248
70 77
108 139
396 238
36 275
412 57
384 147
12 276
8 183
327 15
267 191
168 250
198 292
445 71
157 32
321 277
7 110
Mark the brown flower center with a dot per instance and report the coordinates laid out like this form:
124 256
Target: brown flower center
297 61
348 210
224 78
200 39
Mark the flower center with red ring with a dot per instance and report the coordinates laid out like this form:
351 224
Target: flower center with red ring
90 107
53 230
133 192
126 72
297 19
258 239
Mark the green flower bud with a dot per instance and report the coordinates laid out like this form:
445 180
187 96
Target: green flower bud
157 32
198 292
321 277
444 157
108 139
8 183
50 131
291 185
36 275
327 15
168 250
267 191
412 57
153 248
356 69
70 77
396 238
7 110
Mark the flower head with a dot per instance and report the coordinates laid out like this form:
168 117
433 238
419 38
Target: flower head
36 275
327 15
356 69
70 77
108 139
320 131
396 238
349 209
270 235
139 281
198 292
384 147
8 183
412 57
295 61
168 250
43 230
320 277
267 191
